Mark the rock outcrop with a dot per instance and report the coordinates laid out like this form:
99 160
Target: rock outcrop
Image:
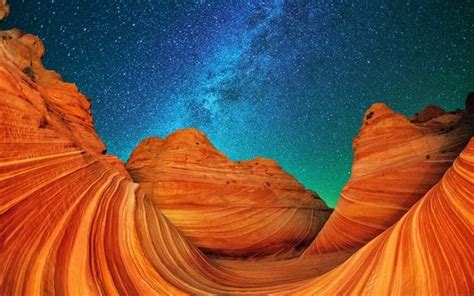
205 194
36 97
4 9
427 252
72 222
396 162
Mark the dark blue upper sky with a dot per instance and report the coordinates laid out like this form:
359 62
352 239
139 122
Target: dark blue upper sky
288 80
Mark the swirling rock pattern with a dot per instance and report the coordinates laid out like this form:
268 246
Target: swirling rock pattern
396 161
204 194
427 252
72 222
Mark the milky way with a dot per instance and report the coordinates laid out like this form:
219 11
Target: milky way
288 80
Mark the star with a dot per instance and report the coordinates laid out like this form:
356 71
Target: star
278 79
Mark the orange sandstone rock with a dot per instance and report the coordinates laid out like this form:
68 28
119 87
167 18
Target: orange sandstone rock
73 223
4 9
40 95
430 112
226 208
427 252
396 161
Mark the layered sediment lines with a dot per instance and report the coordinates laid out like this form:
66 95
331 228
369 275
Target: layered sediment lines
38 98
72 222
231 209
427 252
396 161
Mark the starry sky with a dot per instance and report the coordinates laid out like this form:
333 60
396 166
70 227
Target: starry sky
289 80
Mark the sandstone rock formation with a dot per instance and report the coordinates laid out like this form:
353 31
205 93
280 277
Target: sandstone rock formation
73 223
40 97
204 194
396 161
4 9
427 252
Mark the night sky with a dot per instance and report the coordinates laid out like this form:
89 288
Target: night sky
289 80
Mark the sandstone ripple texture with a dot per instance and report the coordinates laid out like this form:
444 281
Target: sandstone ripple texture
73 221
228 209
396 162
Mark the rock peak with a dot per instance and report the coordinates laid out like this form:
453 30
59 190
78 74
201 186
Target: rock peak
378 112
430 112
470 102
399 158
55 104
189 136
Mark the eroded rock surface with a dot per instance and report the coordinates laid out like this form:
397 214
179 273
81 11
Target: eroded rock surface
396 162
72 222
234 209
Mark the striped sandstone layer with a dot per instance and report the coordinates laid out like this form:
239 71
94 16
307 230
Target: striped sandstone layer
230 209
73 223
396 161
427 252
71 220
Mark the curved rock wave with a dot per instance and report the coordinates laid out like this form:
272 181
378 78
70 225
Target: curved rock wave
396 162
427 252
228 209
72 222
